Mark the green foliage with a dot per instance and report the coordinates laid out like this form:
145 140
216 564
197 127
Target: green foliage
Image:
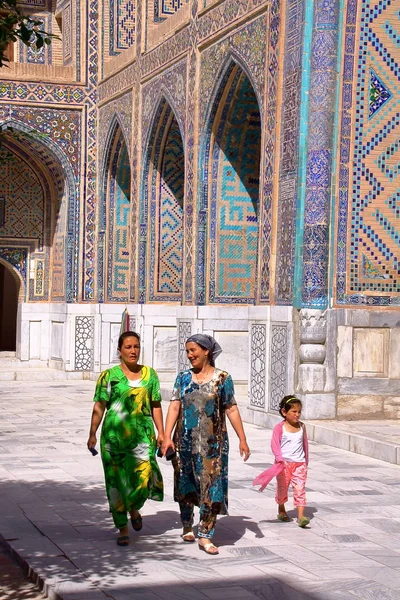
6 131
15 25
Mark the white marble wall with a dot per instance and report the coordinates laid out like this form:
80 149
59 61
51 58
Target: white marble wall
343 363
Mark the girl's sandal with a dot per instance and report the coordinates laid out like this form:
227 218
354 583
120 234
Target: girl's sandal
209 548
123 540
303 522
188 536
283 518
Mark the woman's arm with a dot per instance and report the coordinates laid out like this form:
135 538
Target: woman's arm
157 414
97 415
237 424
172 417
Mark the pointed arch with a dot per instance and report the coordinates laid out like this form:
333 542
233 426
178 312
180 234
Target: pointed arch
161 210
14 268
230 192
54 255
114 219
10 296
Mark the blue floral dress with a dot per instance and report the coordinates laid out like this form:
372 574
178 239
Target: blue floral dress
201 441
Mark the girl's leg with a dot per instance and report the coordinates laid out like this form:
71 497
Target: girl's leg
299 478
282 481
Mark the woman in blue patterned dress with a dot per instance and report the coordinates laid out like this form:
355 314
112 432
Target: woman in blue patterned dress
202 396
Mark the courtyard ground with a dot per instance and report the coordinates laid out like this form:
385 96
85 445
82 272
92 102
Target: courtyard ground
54 517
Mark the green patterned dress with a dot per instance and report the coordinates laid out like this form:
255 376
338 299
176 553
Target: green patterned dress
128 440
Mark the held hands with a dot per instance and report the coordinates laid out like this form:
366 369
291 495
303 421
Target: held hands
244 449
160 440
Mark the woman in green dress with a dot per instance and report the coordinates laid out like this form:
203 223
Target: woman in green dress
130 396
202 397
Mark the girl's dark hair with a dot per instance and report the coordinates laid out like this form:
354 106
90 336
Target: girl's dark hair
125 335
287 402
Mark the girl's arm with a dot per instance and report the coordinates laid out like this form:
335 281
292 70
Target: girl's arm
276 442
157 414
97 415
237 424
305 443
172 417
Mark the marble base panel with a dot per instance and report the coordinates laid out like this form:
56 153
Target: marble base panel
261 350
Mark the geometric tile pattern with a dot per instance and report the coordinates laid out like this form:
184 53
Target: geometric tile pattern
24 208
319 83
278 365
67 31
258 335
122 25
43 55
170 215
84 330
165 8
291 102
161 213
118 225
368 250
235 167
184 332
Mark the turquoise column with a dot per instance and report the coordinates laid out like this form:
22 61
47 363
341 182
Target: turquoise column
316 150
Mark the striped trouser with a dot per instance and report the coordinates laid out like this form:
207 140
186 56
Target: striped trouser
295 474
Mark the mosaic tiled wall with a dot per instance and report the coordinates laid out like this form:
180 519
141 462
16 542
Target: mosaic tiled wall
24 202
161 215
169 206
368 225
165 8
234 188
122 25
117 240
44 54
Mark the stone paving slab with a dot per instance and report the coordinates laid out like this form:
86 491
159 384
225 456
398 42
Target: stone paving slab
53 514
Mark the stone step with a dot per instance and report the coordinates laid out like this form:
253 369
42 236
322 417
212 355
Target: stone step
16 363
376 439
38 374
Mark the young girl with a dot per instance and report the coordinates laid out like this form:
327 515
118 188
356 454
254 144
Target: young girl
290 447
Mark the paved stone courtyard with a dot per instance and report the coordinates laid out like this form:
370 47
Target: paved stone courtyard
53 514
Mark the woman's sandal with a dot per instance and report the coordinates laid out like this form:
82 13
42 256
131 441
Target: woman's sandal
209 548
123 540
188 536
137 523
283 518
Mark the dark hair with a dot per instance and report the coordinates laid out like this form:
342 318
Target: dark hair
209 355
287 402
125 335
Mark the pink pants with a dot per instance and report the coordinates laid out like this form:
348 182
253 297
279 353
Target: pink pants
295 474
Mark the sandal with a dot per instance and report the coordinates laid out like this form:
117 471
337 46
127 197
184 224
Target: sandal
209 548
188 536
303 522
137 523
284 518
123 540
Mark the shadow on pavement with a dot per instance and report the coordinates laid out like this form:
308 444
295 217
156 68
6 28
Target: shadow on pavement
64 532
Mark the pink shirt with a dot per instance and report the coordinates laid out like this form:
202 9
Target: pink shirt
265 477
